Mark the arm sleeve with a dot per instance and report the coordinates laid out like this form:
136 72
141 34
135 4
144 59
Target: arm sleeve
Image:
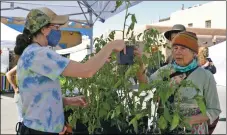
48 63
211 98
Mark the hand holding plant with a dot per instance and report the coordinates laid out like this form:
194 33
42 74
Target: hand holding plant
75 101
117 45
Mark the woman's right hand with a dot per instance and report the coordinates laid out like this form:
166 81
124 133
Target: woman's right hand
118 45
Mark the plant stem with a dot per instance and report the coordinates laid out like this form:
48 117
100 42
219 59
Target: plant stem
123 36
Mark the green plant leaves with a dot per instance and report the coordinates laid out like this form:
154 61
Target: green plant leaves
200 101
175 121
133 18
118 4
142 87
118 110
106 106
162 123
111 35
139 35
116 85
102 112
167 115
134 122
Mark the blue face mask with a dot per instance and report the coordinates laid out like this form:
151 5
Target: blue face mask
191 66
54 37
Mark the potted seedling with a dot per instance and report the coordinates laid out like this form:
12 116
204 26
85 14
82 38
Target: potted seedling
126 58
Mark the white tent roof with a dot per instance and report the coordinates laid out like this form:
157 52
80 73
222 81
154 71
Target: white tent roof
218 55
8 36
77 10
8 33
89 11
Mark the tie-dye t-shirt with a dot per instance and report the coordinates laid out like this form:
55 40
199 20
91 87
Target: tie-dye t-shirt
38 70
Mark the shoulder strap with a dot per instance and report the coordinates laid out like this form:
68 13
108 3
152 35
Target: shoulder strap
187 73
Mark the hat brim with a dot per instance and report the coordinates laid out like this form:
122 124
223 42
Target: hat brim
60 19
167 34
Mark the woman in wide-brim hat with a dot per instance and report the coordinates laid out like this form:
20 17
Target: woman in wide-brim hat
175 29
170 34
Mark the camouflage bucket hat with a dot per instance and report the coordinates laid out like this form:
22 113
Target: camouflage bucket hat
37 18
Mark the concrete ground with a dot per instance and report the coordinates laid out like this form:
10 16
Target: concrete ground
9 113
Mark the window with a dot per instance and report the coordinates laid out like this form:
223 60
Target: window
208 24
190 25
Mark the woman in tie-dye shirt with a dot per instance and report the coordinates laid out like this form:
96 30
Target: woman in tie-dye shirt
38 70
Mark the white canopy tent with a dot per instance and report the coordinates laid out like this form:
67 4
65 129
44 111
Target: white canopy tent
8 38
89 11
218 55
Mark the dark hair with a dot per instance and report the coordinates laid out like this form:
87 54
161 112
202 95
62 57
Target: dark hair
25 39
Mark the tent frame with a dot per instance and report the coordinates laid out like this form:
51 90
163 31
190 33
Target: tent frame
89 20
88 14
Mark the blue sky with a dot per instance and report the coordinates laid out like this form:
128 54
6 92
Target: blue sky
145 12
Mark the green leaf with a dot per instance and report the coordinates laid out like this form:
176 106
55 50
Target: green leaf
106 106
62 80
130 28
113 114
129 71
175 121
162 95
117 84
101 36
162 124
134 123
139 35
132 35
133 18
142 87
108 115
111 35
118 110
200 101
118 4
102 112
167 114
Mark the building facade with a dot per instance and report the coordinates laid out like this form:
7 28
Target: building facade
208 21
209 15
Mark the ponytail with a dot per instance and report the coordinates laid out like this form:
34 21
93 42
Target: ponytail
25 39
22 41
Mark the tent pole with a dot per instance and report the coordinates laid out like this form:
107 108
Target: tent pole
91 25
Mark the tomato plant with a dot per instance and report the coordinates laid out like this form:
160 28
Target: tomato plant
112 98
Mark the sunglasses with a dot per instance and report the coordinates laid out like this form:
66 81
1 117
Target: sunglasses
56 26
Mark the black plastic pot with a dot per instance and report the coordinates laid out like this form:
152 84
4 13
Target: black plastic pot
80 129
126 59
144 125
108 129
